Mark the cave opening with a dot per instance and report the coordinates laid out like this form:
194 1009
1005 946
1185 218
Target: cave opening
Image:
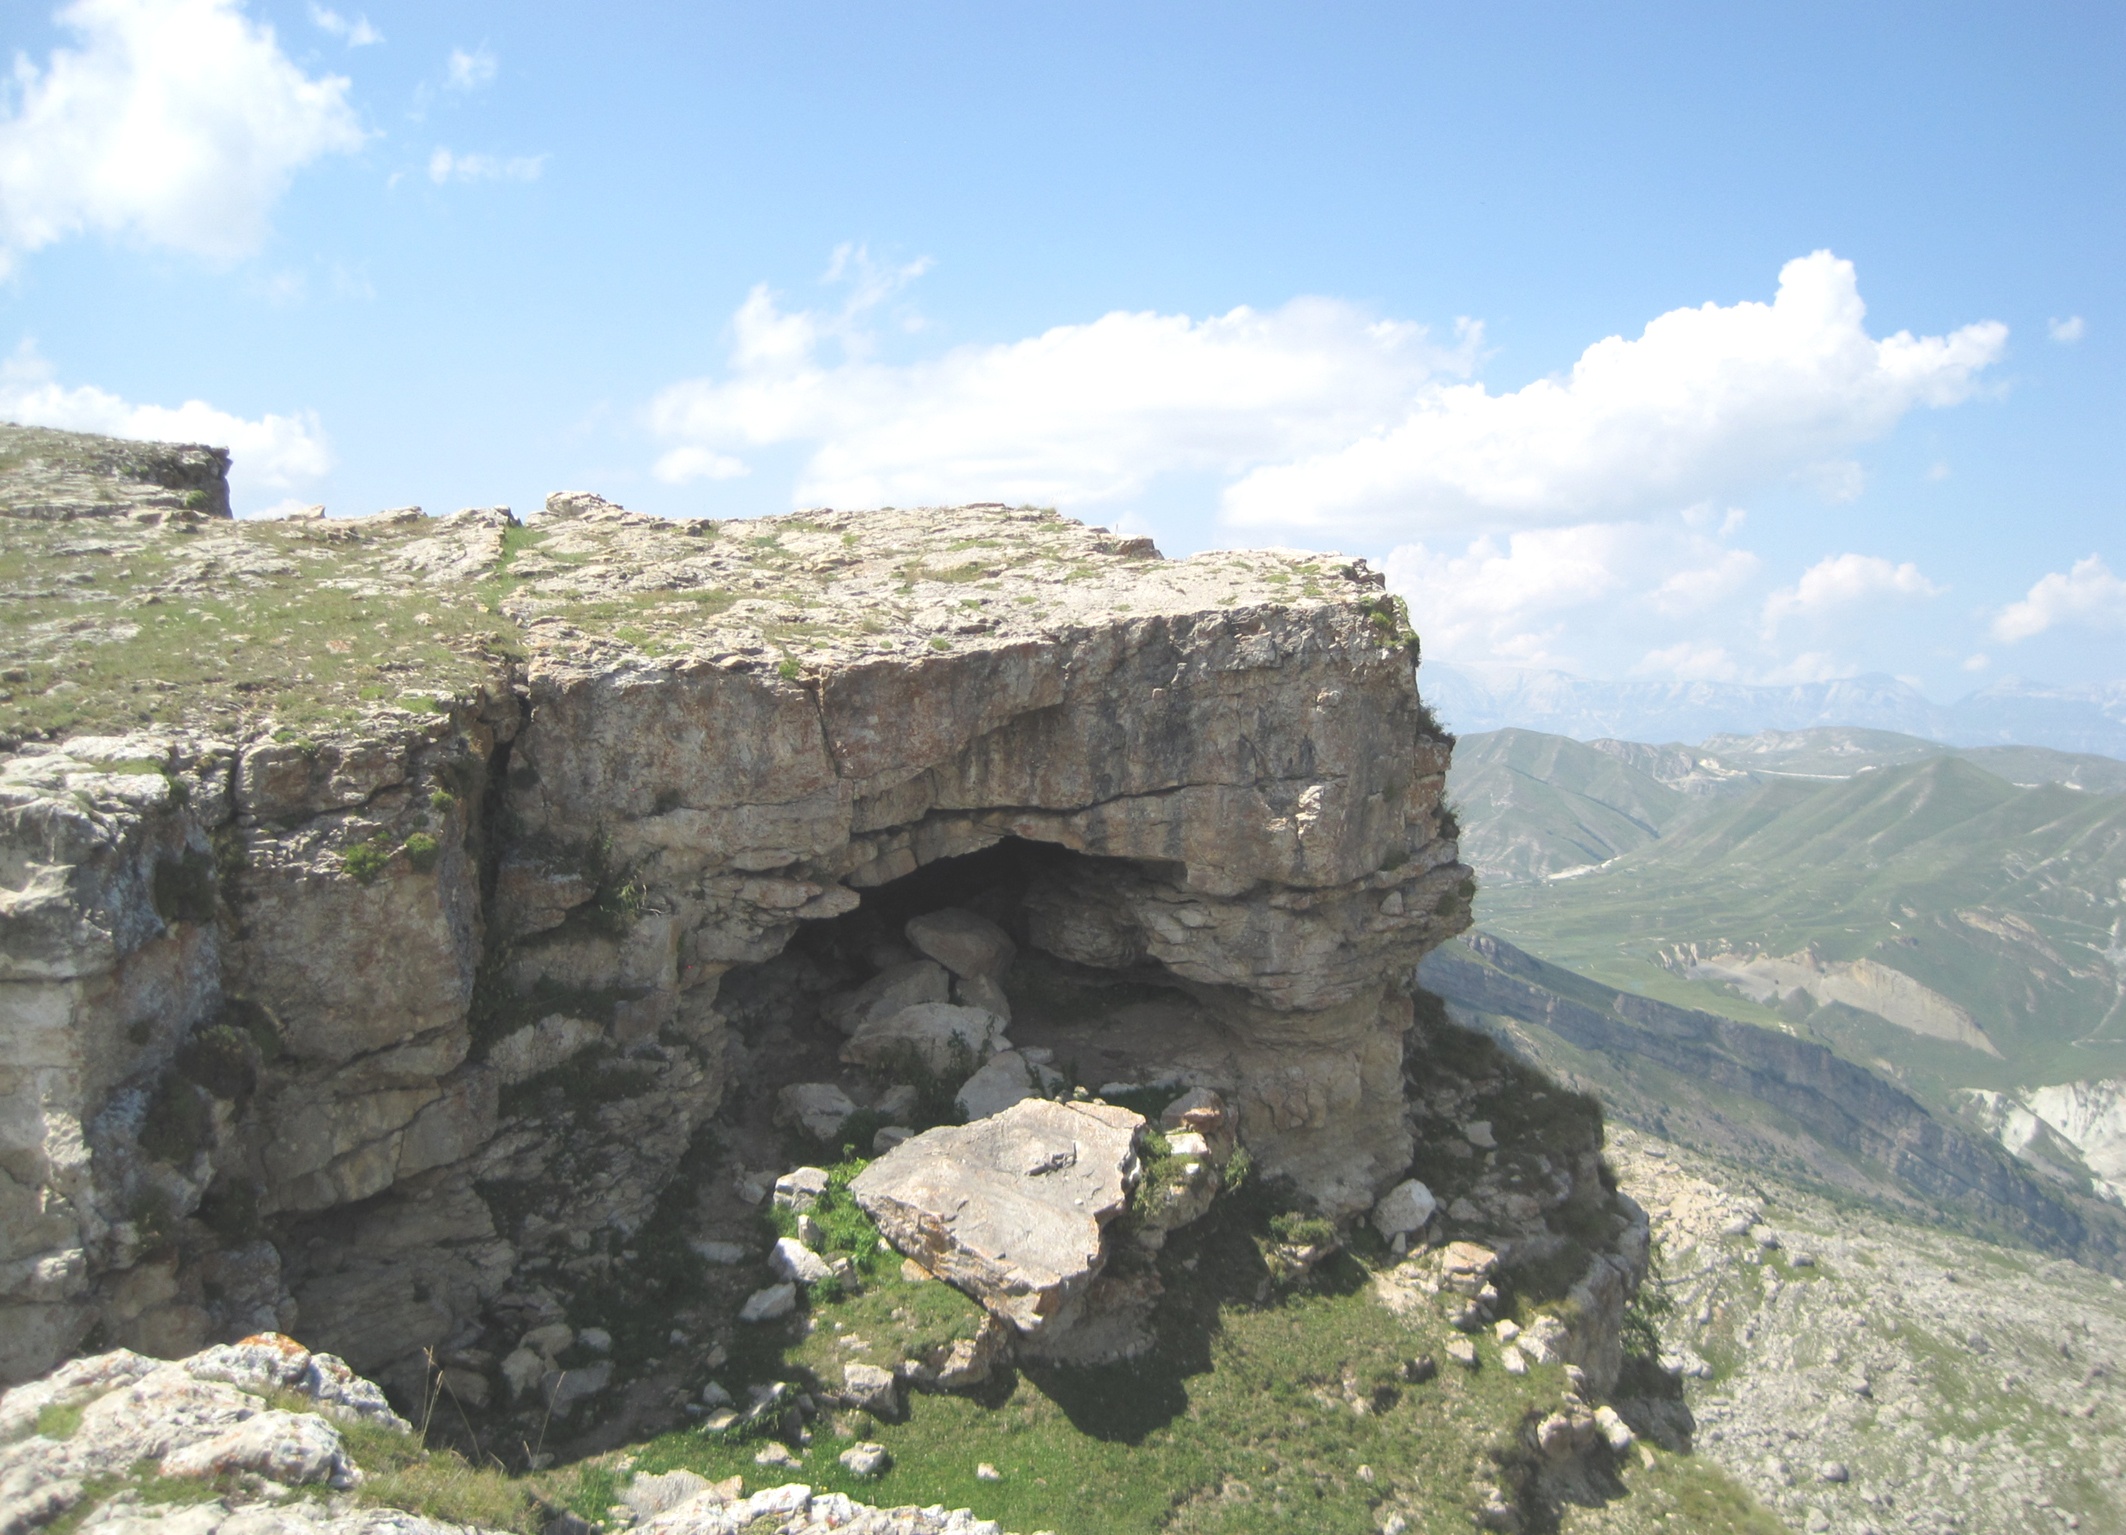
1111 1030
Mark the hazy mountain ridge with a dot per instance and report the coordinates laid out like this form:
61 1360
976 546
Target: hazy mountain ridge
1472 698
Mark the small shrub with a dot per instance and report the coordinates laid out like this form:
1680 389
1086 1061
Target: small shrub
177 1123
789 670
441 801
183 888
1294 1228
939 642
422 852
257 1020
221 1058
365 861
230 1211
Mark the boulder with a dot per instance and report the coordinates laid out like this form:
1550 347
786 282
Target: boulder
866 1460
895 987
1013 1208
792 1260
819 1109
875 1390
800 1188
964 943
650 1495
1403 1209
768 1305
981 991
936 1037
1008 1078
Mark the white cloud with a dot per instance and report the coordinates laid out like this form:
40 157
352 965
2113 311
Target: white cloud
443 166
1506 599
2088 595
272 453
1978 662
1698 587
1080 414
470 71
1809 666
1839 581
180 122
357 33
1690 661
1706 401
1318 416
682 465
2068 331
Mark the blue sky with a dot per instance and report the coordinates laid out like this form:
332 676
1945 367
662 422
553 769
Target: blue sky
1427 284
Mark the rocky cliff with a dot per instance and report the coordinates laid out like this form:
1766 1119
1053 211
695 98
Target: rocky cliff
390 903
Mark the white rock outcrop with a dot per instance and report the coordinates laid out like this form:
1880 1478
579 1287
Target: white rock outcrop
1011 1209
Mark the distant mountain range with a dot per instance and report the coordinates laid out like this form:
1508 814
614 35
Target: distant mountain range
2013 710
1949 919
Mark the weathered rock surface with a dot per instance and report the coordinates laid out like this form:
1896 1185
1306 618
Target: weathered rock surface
1010 1209
201 1417
356 984
937 1037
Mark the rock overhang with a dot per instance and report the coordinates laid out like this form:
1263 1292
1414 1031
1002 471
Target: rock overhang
647 752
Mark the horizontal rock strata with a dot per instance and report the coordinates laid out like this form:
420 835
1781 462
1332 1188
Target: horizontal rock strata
352 980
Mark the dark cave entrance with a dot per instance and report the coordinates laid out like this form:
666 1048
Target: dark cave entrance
1096 1028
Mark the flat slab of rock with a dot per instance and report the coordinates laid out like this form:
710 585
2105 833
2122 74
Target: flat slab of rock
963 942
1011 1208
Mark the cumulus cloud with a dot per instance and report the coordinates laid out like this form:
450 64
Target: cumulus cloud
357 33
1320 416
1078 415
272 453
179 122
444 166
2068 331
1841 580
1510 598
2088 595
470 71
1704 402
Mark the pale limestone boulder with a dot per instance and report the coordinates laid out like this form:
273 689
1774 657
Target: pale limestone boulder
771 1304
1011 1209
969 945
791 1259
874 1389
938 1037
1403 1209
896 987
1008 1078
817 1108
980 991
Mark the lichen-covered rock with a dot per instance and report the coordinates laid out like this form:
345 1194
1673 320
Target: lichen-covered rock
201 1417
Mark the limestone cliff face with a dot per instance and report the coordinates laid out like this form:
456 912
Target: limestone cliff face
277 1000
